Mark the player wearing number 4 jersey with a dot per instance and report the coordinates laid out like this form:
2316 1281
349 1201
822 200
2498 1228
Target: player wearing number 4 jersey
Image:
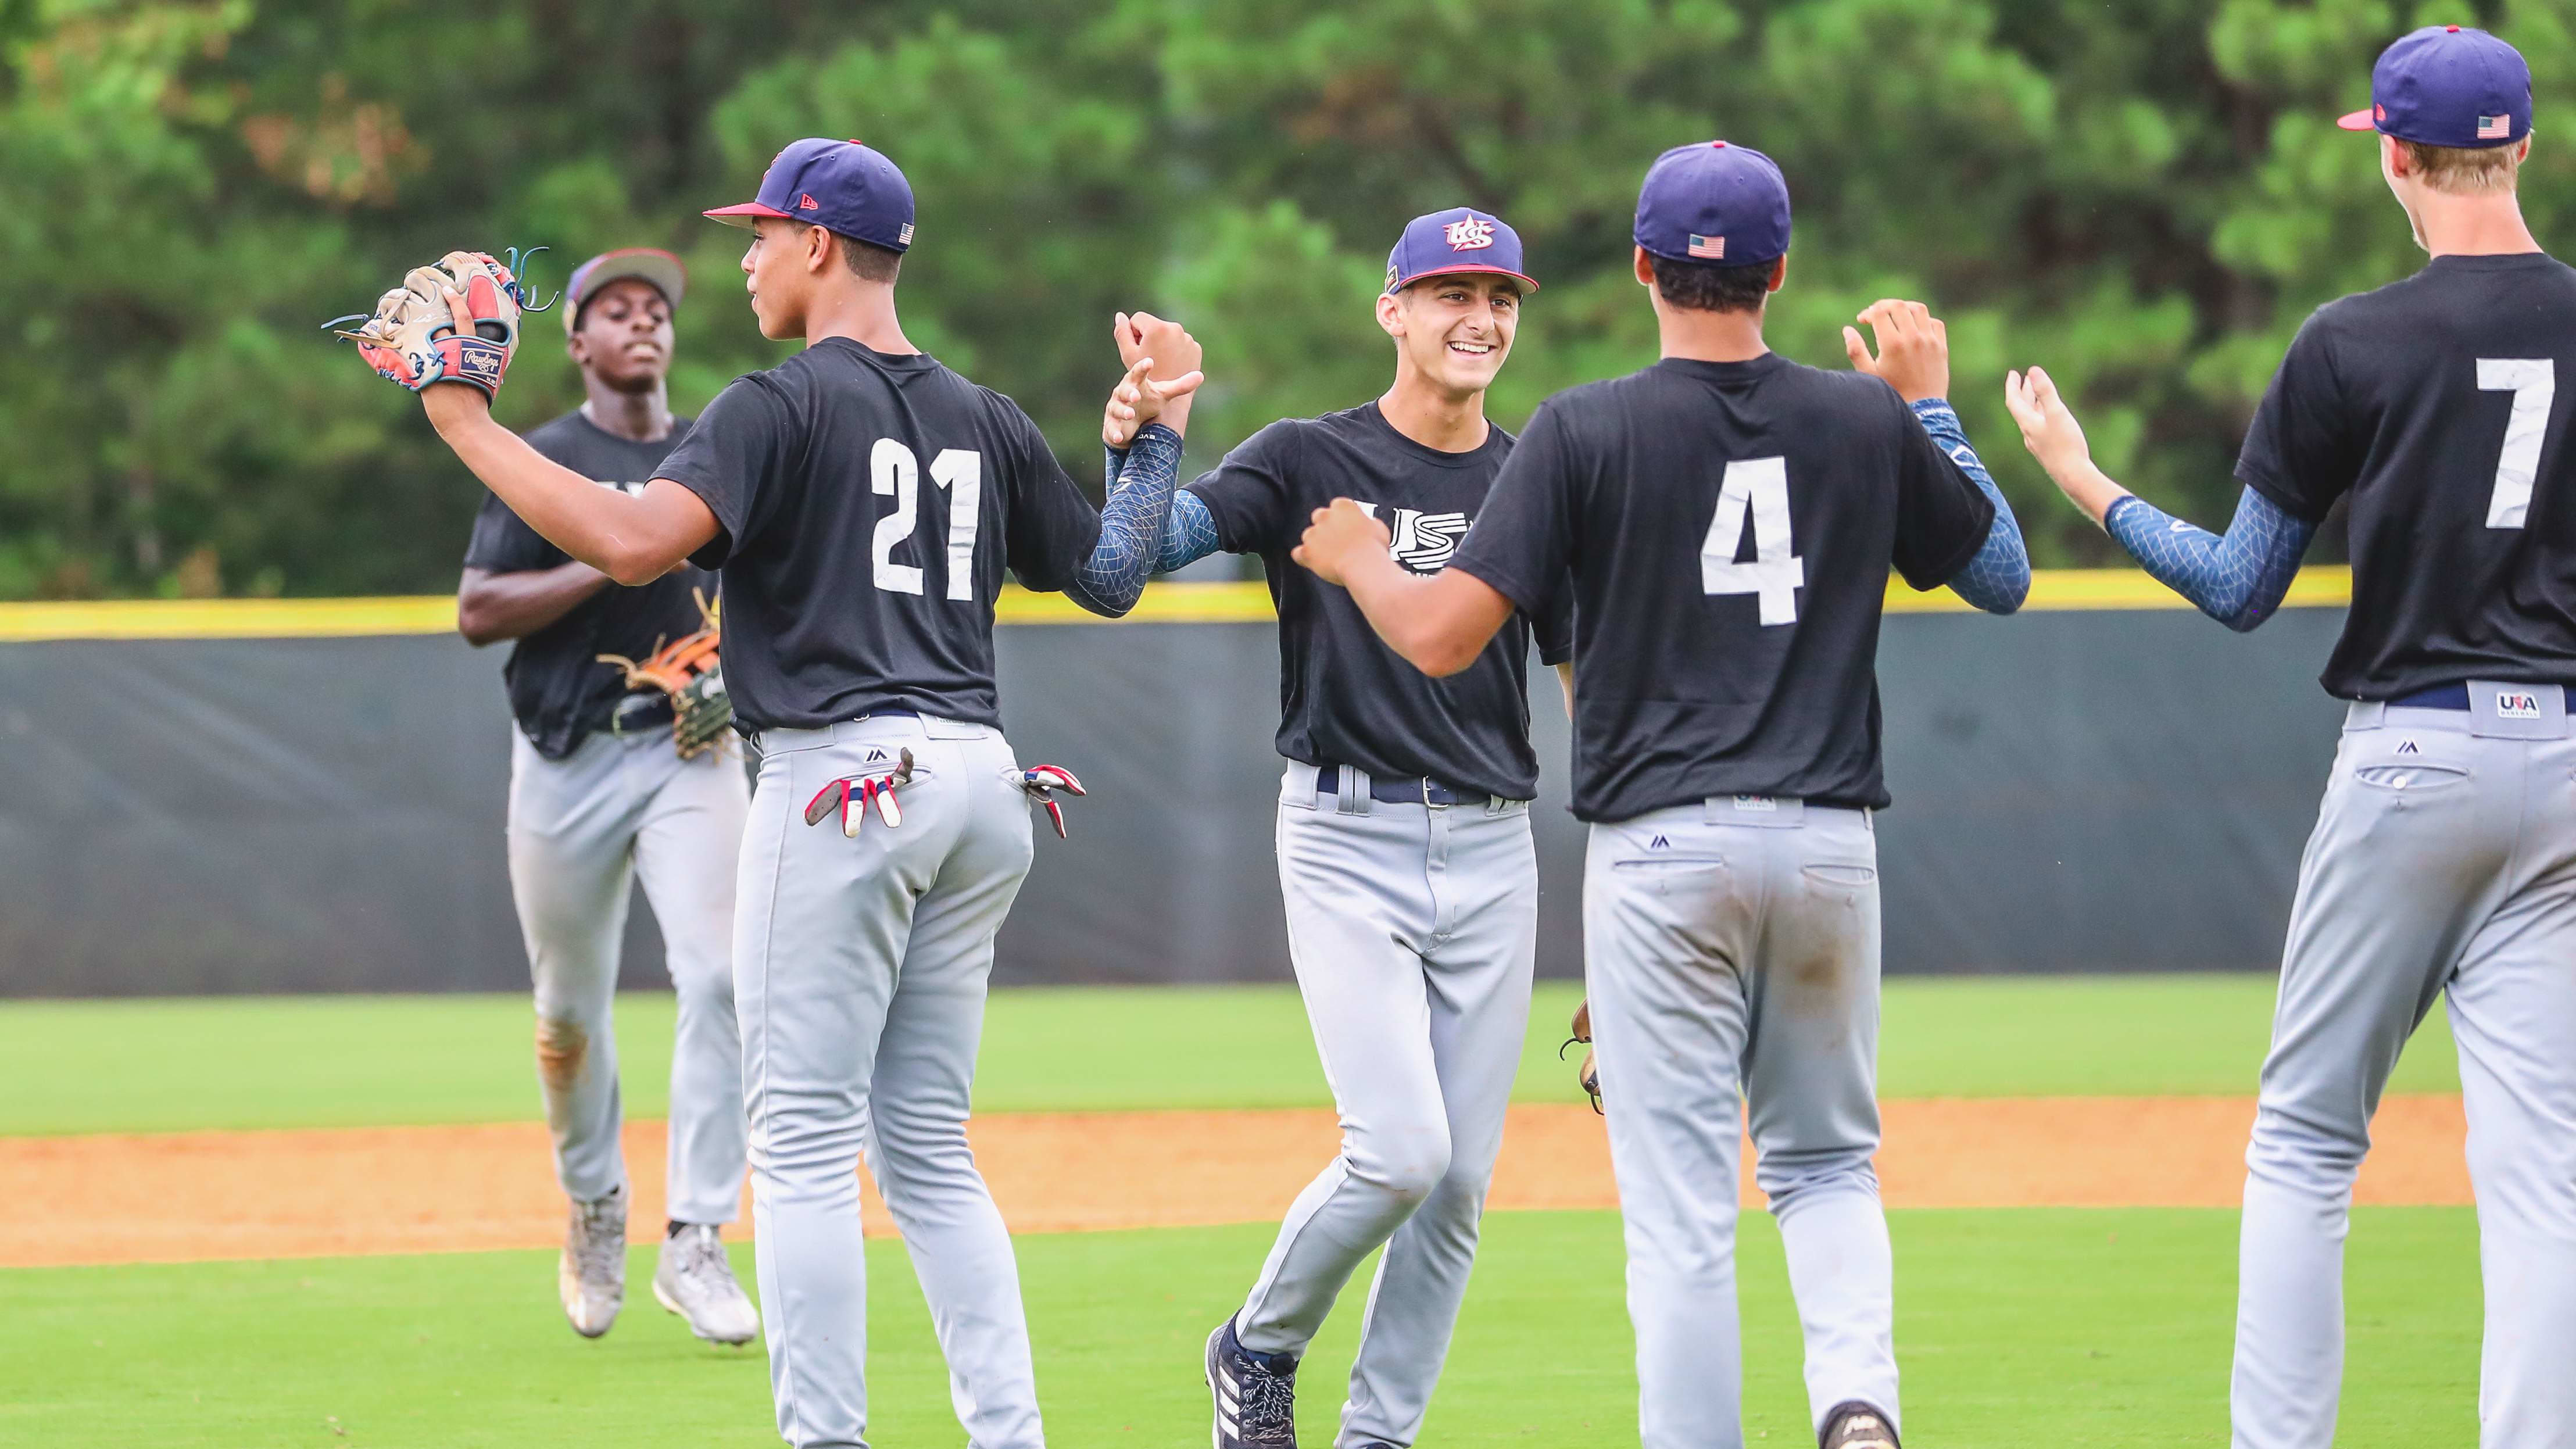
2444 858
864 503
1725 521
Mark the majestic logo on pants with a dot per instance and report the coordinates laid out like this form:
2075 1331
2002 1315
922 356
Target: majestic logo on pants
1422 542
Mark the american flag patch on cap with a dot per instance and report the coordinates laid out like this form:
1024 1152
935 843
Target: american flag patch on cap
1706 246
2494 128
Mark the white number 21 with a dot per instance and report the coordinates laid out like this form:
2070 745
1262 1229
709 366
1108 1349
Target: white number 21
894 472
2533 381
1759 486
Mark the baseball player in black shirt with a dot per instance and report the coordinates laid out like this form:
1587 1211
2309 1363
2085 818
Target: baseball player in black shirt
599 797
864 503
2444 858
1725 522
1405 860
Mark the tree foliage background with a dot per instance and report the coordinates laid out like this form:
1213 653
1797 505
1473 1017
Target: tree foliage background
2145 195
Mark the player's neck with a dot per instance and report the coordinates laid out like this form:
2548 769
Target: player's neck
1710 336
2471 226
862 312
1437 418
640 417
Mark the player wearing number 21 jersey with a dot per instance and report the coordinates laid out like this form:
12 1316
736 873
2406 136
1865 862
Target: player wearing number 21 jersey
2443 864
864 503
1726 521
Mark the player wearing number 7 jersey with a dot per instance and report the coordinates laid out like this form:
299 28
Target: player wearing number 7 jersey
2444 858
864 503
1726 521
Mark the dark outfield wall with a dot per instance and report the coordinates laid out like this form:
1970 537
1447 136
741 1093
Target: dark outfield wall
2075 792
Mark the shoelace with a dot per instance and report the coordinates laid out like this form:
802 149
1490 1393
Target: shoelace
1269 1403
600 1248
702 1258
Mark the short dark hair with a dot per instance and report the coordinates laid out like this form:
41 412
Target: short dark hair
868 260
1702 287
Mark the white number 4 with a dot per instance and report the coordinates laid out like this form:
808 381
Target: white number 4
894 472
2533 381
1759 486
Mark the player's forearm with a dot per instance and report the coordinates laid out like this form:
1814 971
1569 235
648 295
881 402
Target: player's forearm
604 527
1997 580
2239 579
1439 623
491 607
1112 579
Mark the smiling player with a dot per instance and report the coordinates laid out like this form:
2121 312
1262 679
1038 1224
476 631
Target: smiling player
1404 845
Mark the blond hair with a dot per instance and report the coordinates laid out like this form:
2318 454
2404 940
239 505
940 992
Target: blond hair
2466 170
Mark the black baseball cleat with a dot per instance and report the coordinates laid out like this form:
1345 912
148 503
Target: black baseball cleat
1255 1393
1857 1425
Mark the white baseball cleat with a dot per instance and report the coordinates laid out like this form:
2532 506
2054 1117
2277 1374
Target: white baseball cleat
696 1282
591 1275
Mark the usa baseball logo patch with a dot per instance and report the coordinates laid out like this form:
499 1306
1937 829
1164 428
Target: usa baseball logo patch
1473 234
2517 704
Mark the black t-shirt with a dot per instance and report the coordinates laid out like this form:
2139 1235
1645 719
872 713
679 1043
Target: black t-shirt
2435 402
868 504
559 691
1728 527
1344 697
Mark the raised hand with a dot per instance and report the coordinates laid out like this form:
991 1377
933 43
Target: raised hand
1139 399
1913 348
2048 425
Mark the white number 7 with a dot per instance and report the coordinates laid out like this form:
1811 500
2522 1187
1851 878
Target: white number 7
2533 381
1759 486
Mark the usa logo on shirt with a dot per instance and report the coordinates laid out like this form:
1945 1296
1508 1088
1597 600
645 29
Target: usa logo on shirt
1422 542
1473 234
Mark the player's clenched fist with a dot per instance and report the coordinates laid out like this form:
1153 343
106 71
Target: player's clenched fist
1913 348
1338 539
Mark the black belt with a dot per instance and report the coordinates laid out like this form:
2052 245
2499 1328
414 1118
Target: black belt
1406 791
642 710
2450 696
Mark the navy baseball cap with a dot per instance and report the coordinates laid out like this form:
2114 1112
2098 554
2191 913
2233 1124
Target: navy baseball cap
839 185
652 266
1714 202
2448 86
1461 239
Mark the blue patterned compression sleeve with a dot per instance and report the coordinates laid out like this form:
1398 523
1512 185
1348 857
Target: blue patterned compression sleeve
1131 524
2240 579
1189 531
1997 580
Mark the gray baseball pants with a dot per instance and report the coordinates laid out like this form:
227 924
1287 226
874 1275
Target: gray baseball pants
860 968
1413 929
1732 951
582 830
2443 865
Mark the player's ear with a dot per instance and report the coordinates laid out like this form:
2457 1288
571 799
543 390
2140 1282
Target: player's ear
1390 314
1645 267
1779 273
2392 157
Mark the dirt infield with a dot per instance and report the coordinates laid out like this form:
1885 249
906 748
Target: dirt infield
200 1195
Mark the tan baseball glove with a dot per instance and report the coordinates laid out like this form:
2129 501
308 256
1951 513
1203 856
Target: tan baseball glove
419 336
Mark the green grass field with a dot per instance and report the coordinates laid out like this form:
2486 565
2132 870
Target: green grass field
376 1061
2015 1327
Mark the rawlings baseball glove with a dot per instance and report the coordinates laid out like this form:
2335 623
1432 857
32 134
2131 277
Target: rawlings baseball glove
688 670
418 337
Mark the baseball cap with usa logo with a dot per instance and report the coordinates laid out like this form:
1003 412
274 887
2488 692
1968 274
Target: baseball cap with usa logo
1461 239
2448 86
1714 202
839 185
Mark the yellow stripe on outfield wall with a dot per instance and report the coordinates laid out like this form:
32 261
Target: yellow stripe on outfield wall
1164 603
